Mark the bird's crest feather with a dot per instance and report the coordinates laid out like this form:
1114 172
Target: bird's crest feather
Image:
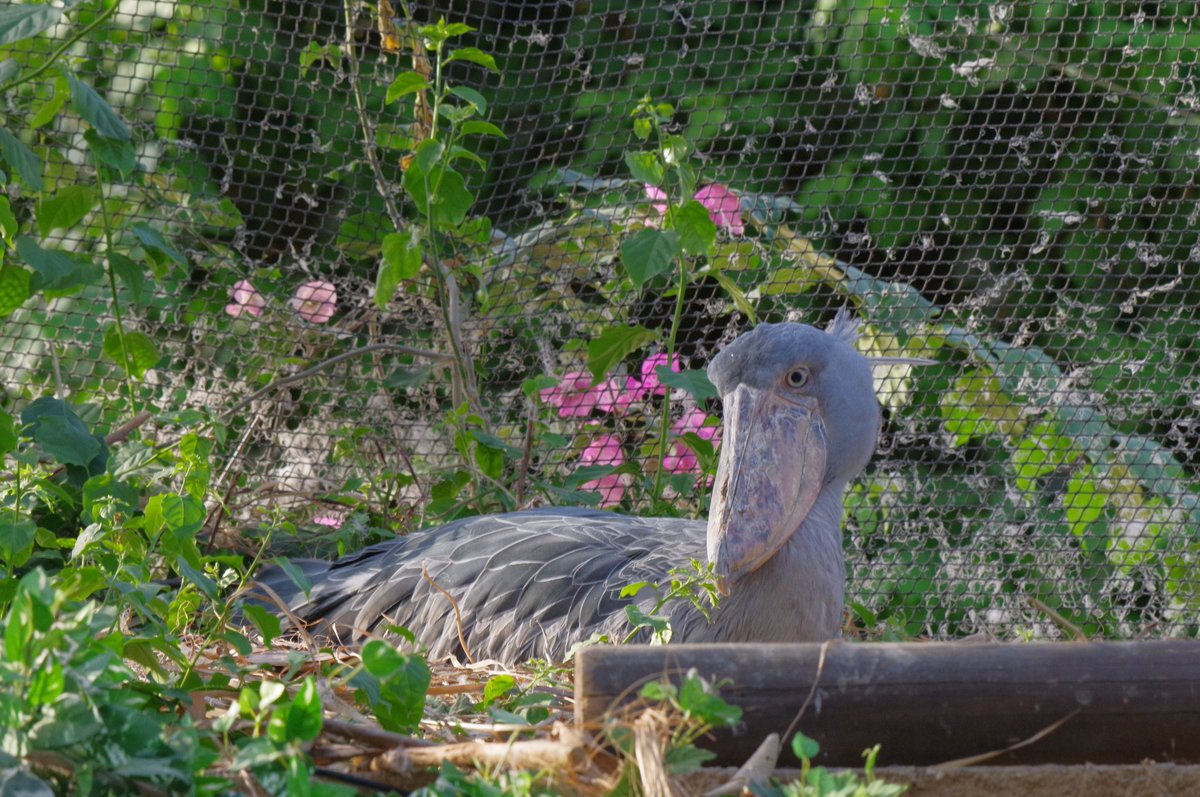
844 326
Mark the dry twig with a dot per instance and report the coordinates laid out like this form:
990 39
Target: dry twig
462 640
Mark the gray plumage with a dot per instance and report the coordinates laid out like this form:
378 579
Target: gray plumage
533 583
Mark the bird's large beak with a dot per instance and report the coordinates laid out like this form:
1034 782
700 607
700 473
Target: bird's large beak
770 471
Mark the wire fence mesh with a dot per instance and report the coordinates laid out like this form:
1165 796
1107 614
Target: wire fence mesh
1006 188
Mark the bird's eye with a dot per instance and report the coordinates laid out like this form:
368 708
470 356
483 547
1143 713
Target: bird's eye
797 378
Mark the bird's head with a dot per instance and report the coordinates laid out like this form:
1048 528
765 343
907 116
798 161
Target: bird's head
800 415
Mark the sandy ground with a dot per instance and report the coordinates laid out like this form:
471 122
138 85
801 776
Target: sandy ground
1134 780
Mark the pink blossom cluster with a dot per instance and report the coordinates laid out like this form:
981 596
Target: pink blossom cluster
314 301
682 459
724 207
575 396
605 449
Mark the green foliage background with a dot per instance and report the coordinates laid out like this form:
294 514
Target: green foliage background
1008 188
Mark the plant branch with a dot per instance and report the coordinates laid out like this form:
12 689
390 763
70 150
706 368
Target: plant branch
324 364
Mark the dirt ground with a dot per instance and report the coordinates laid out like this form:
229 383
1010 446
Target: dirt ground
1135 780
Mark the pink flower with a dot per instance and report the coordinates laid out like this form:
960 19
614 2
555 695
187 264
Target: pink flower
328 520
573 395
246 299
612 396
654 192
605 449
724 207
682 459
650 383
315 301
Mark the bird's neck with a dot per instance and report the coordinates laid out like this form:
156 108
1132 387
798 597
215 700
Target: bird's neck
798 595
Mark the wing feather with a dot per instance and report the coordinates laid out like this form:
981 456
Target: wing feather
526 583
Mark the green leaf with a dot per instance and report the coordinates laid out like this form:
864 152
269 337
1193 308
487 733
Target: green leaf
405 377
47 683
66 439
804 747
645 167
267 623
700 701
129 272
295 574
480 127
57 273
401 261
314 53
406 83
206 585
65 209
154 241
53 267
648 253
735 293
304 713
472 96
660 627
18 627
462 152
658 691
111 152
631 590
96 111
693 381
21 158
396 687
69 721
143 354
689 758
269 693
49 109
181 516
8 221
456 114
16 540
489 460
1083 503
8 433
475 56
427 155
19 22
14 288
614 344
449 205
497 687
697 232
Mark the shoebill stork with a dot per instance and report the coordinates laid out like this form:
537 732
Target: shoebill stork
800 421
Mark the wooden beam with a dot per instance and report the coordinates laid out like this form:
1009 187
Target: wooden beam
932 702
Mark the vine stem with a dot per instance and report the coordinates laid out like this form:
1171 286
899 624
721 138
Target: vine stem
58 51
665 420
112 286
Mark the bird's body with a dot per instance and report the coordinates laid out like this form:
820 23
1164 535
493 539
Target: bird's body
801 421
